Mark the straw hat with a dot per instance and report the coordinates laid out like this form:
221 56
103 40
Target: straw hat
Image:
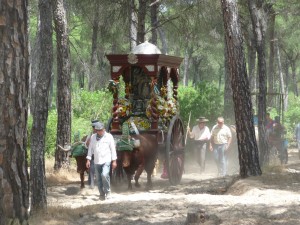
202 119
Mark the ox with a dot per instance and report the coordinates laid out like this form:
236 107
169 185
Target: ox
144 157
79 152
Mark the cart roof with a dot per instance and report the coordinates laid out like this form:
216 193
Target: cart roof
144 55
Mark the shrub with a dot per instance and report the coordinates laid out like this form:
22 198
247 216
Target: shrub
203 100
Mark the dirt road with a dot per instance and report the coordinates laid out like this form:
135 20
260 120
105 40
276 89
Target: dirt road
273 198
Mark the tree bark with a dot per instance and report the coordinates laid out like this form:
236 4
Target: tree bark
154 22
63 82
133 24
228 101
93 69
259 28
252 65
163 39
248 151
141 21
40 111
282 86
14 86
270 74
295 82
34 62
187 58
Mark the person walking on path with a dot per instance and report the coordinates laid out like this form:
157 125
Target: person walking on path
91 174
219 142
102 145
200 135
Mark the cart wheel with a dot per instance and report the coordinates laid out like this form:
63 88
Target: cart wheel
175 150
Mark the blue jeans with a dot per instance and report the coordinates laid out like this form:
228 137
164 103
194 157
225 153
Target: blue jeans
103 178
220 158
91 177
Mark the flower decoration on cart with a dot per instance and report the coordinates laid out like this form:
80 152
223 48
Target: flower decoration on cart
167 107
124 107
141 123
113 86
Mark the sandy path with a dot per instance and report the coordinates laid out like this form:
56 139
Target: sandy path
273 198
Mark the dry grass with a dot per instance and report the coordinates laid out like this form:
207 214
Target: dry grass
54 216
64 176
269 169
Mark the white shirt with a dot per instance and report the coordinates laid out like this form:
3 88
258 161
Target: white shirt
104 150
200 134
220 135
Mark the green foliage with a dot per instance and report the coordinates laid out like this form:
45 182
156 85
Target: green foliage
92 105
203 100
51 131
50 139
292 117
86 106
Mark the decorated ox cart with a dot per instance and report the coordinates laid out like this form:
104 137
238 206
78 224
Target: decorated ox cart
144 86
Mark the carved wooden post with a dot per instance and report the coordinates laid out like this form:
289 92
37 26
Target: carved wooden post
175 77
153 104
115 122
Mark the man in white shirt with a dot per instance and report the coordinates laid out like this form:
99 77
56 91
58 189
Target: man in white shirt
200 134
102 145
220 140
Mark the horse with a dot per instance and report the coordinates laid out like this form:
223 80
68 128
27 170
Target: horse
139 159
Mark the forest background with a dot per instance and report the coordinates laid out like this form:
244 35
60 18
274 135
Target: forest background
240 58
190 29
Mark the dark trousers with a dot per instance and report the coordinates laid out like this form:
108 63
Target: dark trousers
200 153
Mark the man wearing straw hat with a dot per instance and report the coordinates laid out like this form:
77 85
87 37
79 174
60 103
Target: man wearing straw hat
200 134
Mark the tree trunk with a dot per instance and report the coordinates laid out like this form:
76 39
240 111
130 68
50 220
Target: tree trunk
248 152
93 73
252 66
259 29
63 83
14 85
286 91
154 22
40 111
282 86
197 60
228 101
141 21
270 74
187 58
133 24
34 62
295 82
163 39
50 98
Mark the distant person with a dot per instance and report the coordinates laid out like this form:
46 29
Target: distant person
297 137
102 145
200 135
277 139
220 141
269 124
91 174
